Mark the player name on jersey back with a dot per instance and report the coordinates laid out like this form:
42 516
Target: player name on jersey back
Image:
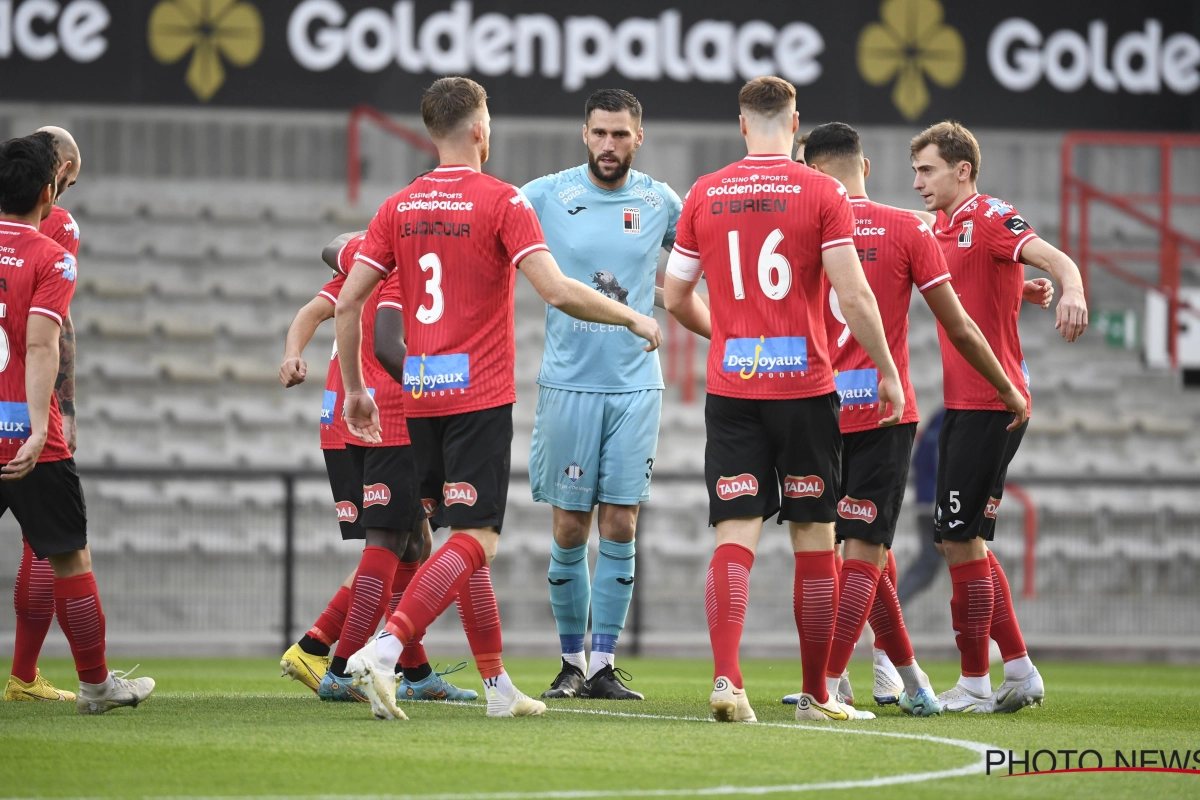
454 237
757 230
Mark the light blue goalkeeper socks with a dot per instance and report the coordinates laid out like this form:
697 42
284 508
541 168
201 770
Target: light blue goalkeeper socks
612 590
570 595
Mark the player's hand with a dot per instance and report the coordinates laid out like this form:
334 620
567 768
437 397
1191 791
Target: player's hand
890 393
1071 317
25 459
292 372
647 328
70 431
362 417
1014 401
1039 291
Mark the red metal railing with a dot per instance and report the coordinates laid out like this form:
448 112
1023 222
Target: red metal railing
1029 589
1171 241
354 142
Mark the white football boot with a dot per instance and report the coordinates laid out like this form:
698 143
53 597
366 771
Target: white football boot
729 704
888 683
513 703
1013 695
960 700
116 691
807 709
375 679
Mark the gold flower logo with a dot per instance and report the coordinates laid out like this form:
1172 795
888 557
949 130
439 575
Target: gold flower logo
910 42
209 29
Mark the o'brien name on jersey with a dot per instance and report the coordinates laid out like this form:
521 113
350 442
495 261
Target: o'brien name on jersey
766 358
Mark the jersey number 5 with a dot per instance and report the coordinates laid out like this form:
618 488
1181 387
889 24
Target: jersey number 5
774 271
433 287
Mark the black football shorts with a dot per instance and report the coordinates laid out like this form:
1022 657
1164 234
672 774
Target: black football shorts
758 450
874 477
48 504
463 461
974 451
345 479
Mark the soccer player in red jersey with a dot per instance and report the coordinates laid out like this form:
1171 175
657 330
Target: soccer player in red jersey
985 242
356 470
764 231
38 481
456 278
33 594
897 251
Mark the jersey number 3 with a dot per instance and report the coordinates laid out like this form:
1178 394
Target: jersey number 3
774 271
433 287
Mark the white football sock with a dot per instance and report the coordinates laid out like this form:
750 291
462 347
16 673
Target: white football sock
576 660
831 686
1018 668
388 648
914 679
980 686
501 683
600 661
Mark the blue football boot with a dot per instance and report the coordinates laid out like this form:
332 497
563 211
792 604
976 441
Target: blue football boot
334 689
924 704
435 687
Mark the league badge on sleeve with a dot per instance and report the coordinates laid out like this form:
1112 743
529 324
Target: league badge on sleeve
1017 225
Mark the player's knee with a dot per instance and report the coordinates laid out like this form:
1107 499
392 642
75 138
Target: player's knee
572 528
618 523
68 565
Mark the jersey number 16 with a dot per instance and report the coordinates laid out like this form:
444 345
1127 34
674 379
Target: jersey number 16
774 271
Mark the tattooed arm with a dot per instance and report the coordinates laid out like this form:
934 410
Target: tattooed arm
64 385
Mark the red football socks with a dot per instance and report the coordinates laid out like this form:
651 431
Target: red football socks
413 655
368 594
1005 629
856 591
481 620
77 605
971 612
888 623
436 585
726 592
328 627
814 601
33 601
890 571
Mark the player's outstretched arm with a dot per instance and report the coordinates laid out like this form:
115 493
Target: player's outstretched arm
329 253
582 302
64 384
660 298
41 367
967 339
1071 315
294 369
390 348
360 411
685 304
858 306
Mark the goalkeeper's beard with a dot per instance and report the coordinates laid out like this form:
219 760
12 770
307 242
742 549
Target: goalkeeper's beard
618 173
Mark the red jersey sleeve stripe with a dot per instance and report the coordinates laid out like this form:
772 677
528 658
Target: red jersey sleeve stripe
371 263
45 312
685 251
848 240
1020 244
934 282
531 249
390 304
328 296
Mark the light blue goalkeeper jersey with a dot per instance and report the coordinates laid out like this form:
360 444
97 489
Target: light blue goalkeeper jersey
609 241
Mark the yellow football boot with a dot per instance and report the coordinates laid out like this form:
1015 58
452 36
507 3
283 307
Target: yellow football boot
38 689
300 666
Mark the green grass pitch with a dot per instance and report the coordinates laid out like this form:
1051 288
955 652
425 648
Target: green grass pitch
230 727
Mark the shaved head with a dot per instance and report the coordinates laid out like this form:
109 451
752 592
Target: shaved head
68 151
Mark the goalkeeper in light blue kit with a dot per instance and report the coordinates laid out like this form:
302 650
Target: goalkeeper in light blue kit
596 430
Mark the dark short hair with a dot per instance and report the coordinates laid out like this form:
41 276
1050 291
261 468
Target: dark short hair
613 100
448 102
766 95
27 166
955 144
832 140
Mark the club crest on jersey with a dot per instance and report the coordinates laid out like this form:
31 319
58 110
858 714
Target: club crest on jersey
377 494
964 238
849 508
346 511
803 486
461 492
436 373
573 471
14 421
328 407
765 357
857 387
737 486
631 220
993 505
997 206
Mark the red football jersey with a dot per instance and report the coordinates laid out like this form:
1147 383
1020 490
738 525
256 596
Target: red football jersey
38 277
897 251
982 243
757 230
62 228
333 424
389 395
454 236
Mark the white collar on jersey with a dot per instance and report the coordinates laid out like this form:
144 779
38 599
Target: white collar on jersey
17 224
963 205
782 157
454 169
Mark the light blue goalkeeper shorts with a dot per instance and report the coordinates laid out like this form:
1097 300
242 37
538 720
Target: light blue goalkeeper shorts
593 447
